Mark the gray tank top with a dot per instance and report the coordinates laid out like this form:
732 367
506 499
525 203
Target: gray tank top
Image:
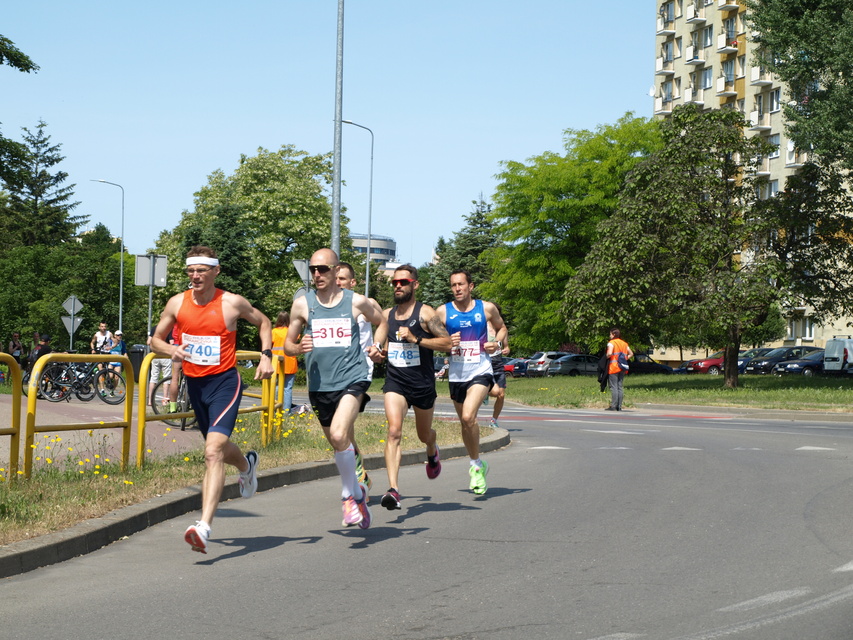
336 360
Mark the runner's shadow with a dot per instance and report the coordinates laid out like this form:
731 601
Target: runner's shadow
427 506
494 492
363 538
245 546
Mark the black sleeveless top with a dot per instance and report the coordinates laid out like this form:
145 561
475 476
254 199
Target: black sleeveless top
409 364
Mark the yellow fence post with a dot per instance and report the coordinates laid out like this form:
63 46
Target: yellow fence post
14 429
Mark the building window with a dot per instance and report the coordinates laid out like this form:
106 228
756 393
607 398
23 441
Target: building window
667 11
667 51
666 91
775 100
729 71
707 77
772 188
731 30
741 66
708 36
678 47
741 105
774 140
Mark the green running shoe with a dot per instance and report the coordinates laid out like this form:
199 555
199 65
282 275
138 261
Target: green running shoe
478 478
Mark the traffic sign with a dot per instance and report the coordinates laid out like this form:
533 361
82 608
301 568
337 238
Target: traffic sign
72 304
67 320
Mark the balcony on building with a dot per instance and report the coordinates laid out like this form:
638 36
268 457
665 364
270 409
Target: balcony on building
663 67
663 106
665 27
726 43
795 158
727 5
695 13
726 87
762 167
694 96
759 77
759 121
693 55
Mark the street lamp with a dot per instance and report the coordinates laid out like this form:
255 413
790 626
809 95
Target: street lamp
369 207
121 261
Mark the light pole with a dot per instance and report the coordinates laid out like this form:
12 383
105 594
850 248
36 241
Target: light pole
121 261
369 207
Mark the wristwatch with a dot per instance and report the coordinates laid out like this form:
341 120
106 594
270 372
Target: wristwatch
267 353
418 339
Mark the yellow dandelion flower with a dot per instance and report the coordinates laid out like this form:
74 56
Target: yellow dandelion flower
186 459
105 476
48 460
128 482
106 459
148 450
97 455
80 463
97 472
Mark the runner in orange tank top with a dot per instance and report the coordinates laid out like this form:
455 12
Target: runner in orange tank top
208 320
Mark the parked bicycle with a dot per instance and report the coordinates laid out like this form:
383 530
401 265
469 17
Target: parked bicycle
60 380
160 403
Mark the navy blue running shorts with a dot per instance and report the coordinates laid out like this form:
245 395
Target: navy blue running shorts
215 400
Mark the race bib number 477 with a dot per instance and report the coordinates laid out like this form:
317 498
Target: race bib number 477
331 332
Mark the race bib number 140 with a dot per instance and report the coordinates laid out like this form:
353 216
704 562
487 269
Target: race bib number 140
201 350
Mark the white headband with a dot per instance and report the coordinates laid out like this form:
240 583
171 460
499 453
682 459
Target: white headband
213 262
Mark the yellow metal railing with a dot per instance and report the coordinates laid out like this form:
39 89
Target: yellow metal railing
14 429
32 397
267 407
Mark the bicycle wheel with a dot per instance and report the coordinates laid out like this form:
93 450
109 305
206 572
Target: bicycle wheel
25 382
111 386
55 382
157 405
185 405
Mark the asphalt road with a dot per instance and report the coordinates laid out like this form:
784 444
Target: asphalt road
639 524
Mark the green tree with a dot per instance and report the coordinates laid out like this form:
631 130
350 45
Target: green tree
674 255
39 207
546 218
272 210
14 57
809 45
464 251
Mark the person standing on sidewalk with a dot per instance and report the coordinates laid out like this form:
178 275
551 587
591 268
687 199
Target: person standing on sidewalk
471 378
287 367
498 391
616 367
208 318
414 332
325 317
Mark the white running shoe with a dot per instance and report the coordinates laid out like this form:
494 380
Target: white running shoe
249 479
196 535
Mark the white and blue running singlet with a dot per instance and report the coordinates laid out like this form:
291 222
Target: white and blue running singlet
469 359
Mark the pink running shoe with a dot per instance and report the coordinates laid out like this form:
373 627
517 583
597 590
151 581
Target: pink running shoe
352 514
363 509
433 467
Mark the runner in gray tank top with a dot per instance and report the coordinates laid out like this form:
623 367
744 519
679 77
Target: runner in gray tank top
337 371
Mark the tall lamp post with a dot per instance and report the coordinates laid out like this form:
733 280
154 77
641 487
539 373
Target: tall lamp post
121 261
369 207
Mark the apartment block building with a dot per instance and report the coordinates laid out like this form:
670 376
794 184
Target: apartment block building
704 55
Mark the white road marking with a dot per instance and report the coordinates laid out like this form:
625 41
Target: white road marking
763 601
747 449
620 636
617 432
615 448
680 449
846 567
563 448
814 449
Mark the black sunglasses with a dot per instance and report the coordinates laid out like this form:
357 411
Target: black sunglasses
320 268
402 282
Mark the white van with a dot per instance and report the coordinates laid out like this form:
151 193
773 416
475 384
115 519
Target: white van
838 355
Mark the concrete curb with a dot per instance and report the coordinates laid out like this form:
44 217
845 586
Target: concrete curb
90 535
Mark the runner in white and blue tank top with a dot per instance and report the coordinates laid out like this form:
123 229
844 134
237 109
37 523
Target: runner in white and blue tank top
467 322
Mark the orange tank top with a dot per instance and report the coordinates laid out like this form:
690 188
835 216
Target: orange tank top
210 346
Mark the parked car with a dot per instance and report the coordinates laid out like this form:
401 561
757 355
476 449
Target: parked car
839 351
519 368
808 365
764 364
573 365
538 363
645 364
712 364
745 356
509 365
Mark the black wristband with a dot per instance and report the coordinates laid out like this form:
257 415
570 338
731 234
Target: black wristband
267 353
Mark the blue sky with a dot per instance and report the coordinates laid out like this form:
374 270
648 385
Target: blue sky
155 96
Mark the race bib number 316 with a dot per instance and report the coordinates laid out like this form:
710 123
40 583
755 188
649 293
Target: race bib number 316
331 332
